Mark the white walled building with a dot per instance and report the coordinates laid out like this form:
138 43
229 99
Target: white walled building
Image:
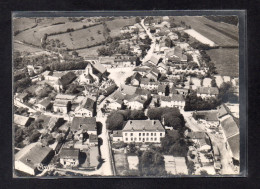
143 131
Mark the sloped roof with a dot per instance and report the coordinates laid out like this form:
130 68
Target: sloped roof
208 90
67 78
127 89
89 105
65 97
234 143
118 96
20 120
33 154
175 97
22 95
141 69
69 153
141 91
117 133
154 59
93 156
162 66
222 110
99 67
143 125
86 123
161 88
207 115
137 76
93 138
230 127
46 102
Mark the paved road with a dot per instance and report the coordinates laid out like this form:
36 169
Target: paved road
151 50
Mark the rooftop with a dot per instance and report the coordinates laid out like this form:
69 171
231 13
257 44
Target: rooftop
20 120
69 153
143 125
67 78
230 127
234 142
208 90
87 123
117 133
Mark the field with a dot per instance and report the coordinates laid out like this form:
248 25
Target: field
200 37
89 51
202 25
25 48
23 23
81 38
120 163
226 61
117 24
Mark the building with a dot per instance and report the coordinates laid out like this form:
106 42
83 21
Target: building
208 117
93 140
142 70
115 104
69 157
107 61
175 100
125 60
117 136
143 131
136 79
207 92
22 120
162 68
55 122
31 157
162 89
52 76
93 157
109 90
232 136
86 124
127 90
147 84
21 97
175 56
136 103
65 80
44 105
62 103
154 59
144 93
222 111
87 110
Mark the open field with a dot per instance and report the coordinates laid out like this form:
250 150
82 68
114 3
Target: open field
200 37
117 24
120 163
201 25
25 48
89 51
81 38
23 23
226 61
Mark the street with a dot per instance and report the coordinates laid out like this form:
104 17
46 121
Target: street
151 50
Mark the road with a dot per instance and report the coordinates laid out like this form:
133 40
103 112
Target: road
216 140
151 50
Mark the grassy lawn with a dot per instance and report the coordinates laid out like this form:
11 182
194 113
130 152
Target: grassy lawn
89 51
81 38
25 48
199 24
226 61
23 23
118 23
120 163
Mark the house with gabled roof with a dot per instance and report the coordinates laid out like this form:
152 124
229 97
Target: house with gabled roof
30 157
44 105
154 59
69 157
86 124
175 100
147 84
22 120
136 102
107 61
207 92
141 131
21 97
87 109
117 136
65 80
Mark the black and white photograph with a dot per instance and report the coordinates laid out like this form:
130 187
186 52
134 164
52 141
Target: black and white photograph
126 96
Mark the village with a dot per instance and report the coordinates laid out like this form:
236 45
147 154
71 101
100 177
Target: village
151 103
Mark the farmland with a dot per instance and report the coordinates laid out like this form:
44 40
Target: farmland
89 51
204 27
116 24
25 48
81 38
23 23
226 61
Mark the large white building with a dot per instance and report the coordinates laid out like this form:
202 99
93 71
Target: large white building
143 131
176 100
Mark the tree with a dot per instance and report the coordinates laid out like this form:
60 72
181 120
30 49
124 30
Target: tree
172 121
204 173
179 149
115 121
189 58
137 19
138 61
128 80
75 53
35 136
132 149
168 42
170 138
213 82
137 115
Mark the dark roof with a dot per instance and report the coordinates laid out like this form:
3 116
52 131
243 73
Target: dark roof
22 95
161 88
140 69
234 145
45 119
136 76
69 153
175 97
118 96
140 91
46 102
87 123
67 78
143 125
89 105
33 154
107 60
117 133
111 88
230 127
99 67
208 90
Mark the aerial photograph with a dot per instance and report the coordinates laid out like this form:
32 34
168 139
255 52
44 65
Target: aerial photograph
125 96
